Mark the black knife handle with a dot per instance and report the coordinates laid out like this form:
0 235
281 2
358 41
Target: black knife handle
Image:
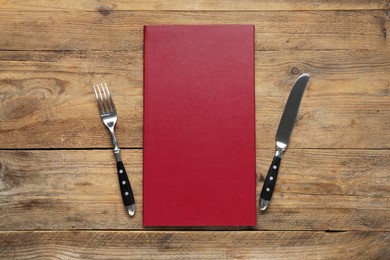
270 181
124 184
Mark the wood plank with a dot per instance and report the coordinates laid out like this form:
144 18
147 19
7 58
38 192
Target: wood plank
194 245
78 189
43 94
275 30
60 203
330 171
177 5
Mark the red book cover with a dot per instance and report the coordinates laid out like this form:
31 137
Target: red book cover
199 126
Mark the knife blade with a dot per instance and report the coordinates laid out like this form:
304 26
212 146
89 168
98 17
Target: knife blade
283 133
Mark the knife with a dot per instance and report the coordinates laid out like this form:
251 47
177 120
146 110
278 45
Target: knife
282 137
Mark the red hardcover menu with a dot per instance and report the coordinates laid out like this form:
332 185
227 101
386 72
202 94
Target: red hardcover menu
199 126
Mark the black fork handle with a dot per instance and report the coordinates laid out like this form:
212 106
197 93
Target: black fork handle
126 191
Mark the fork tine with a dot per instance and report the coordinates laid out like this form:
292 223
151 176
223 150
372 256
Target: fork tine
97 98
105 100
106 103
110 98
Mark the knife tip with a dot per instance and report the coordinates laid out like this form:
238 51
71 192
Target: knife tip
305 75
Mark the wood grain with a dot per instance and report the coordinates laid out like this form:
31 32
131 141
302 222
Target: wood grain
123 30
250 5
194 245
45 93
59 195
78 189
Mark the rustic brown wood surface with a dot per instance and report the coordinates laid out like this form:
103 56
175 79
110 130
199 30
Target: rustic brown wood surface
59 195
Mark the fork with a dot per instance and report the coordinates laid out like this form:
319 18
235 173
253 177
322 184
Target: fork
109 117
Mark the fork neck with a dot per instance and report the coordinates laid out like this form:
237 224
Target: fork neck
118 155
117 151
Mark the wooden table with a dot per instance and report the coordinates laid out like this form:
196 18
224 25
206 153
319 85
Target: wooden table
59 195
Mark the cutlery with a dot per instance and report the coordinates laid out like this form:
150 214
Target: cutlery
109 117
282 137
